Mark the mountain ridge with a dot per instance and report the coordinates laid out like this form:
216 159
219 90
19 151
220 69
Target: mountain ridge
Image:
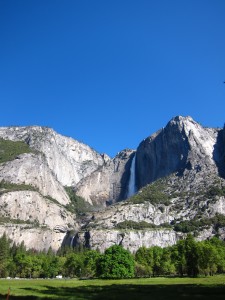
179 175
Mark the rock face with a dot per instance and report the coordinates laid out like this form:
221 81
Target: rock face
182 145
189 161
31 169
97 178
32 207
179 175
36 200
68 159
109 183
34 219
33 238
131 240
220 152
103 228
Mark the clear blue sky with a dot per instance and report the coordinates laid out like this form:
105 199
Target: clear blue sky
111 72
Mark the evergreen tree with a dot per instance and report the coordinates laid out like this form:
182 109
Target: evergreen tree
157 255
4 255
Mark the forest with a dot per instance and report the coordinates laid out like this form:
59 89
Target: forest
187 257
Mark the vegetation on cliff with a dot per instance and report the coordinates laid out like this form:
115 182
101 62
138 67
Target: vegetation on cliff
6 186
77 204
195 225
153 193
9 150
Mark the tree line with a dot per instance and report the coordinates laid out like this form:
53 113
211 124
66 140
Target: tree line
187 257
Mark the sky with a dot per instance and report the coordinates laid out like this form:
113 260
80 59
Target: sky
110 73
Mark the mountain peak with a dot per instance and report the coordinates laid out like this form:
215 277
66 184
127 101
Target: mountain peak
183 121
182 118
187 158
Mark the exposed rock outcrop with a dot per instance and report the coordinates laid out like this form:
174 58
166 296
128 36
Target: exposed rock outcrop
34 219
132 240
33 208
32 169
182 145
189 160
34 238
69 160
109 183
103 230
184 163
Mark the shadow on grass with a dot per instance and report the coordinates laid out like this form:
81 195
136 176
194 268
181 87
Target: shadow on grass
127 292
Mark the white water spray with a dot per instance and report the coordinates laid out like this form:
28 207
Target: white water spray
132 183
71 241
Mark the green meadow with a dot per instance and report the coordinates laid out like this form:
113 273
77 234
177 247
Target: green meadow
128 289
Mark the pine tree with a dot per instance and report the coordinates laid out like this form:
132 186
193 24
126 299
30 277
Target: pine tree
4 255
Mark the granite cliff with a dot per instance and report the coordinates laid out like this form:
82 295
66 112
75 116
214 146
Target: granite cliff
108 184
68 159
178 174
180 177
33 200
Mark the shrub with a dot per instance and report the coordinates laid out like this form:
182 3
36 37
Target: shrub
77 205
153 193
128 224
6 186
9 150
215 191
187 226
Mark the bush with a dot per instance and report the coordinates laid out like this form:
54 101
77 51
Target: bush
214 191
77 205
9 150
128 224
153 193
187 226
6 186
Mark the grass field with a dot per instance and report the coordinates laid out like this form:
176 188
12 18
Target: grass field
132 289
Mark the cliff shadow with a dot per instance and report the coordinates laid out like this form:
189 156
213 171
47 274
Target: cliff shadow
124 181
219 153
165 154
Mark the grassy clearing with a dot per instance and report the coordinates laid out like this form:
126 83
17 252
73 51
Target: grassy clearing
132 289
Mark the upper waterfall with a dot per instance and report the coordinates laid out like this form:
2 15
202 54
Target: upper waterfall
132 181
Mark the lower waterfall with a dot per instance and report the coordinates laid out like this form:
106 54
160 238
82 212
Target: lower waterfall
71 241
132 182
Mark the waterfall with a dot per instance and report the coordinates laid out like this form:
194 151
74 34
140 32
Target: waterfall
132 183
71 241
